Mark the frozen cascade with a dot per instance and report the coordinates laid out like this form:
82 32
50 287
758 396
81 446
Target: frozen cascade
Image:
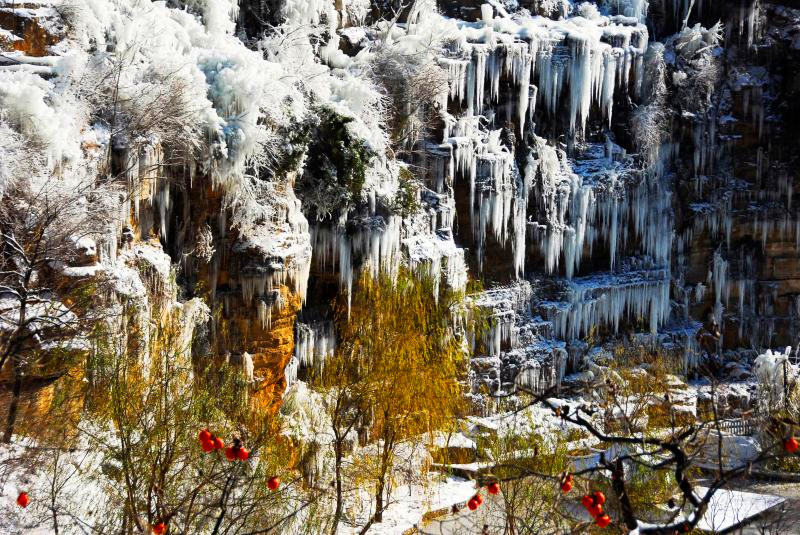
314 343
604 300
595 197
373 242
590 57
290 372
439 257
721 288
503 304
518 347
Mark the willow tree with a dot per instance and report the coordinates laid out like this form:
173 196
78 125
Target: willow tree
398 371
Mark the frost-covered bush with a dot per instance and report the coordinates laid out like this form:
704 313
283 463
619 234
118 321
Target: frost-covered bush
587 10
648 121
21 157
41 114
553 9
413 84
776 378
693 56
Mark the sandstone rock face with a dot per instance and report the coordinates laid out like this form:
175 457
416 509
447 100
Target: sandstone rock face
30 27
737 215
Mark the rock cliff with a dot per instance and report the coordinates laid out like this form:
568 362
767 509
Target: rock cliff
615 172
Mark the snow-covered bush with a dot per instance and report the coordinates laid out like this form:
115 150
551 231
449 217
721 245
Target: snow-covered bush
43 114
776 378
587 10
554 9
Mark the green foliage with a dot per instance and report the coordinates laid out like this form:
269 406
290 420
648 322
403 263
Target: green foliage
336 165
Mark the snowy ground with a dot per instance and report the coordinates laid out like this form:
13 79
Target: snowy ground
75 477
410 503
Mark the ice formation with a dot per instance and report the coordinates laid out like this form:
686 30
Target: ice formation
314 343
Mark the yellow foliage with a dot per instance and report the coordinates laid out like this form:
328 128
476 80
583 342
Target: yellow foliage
399 353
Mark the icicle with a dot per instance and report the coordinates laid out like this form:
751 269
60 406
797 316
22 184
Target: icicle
606 300
314 343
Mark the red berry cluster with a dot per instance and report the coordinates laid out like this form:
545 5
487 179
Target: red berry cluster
791 445
594 504
237 452
477 500
210 442
23 500
566 483
158 529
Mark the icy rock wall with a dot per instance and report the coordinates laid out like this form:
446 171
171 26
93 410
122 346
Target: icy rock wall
738 221
531 171
707 233
533 205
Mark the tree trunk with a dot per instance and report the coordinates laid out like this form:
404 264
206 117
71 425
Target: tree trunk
379 501
11 419
381 484
338 514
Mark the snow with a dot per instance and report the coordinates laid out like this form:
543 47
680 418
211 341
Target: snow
410 503
731 508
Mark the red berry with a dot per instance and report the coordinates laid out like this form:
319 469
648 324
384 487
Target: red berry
23 500
219 443
599 497
478 498
242 454
207 445
596 509
159 529
472 504
273 483
566 486
204 435
587 501
791 445
230 453
493 487
602 521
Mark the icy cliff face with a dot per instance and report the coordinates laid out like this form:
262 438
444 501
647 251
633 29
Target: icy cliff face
611 170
